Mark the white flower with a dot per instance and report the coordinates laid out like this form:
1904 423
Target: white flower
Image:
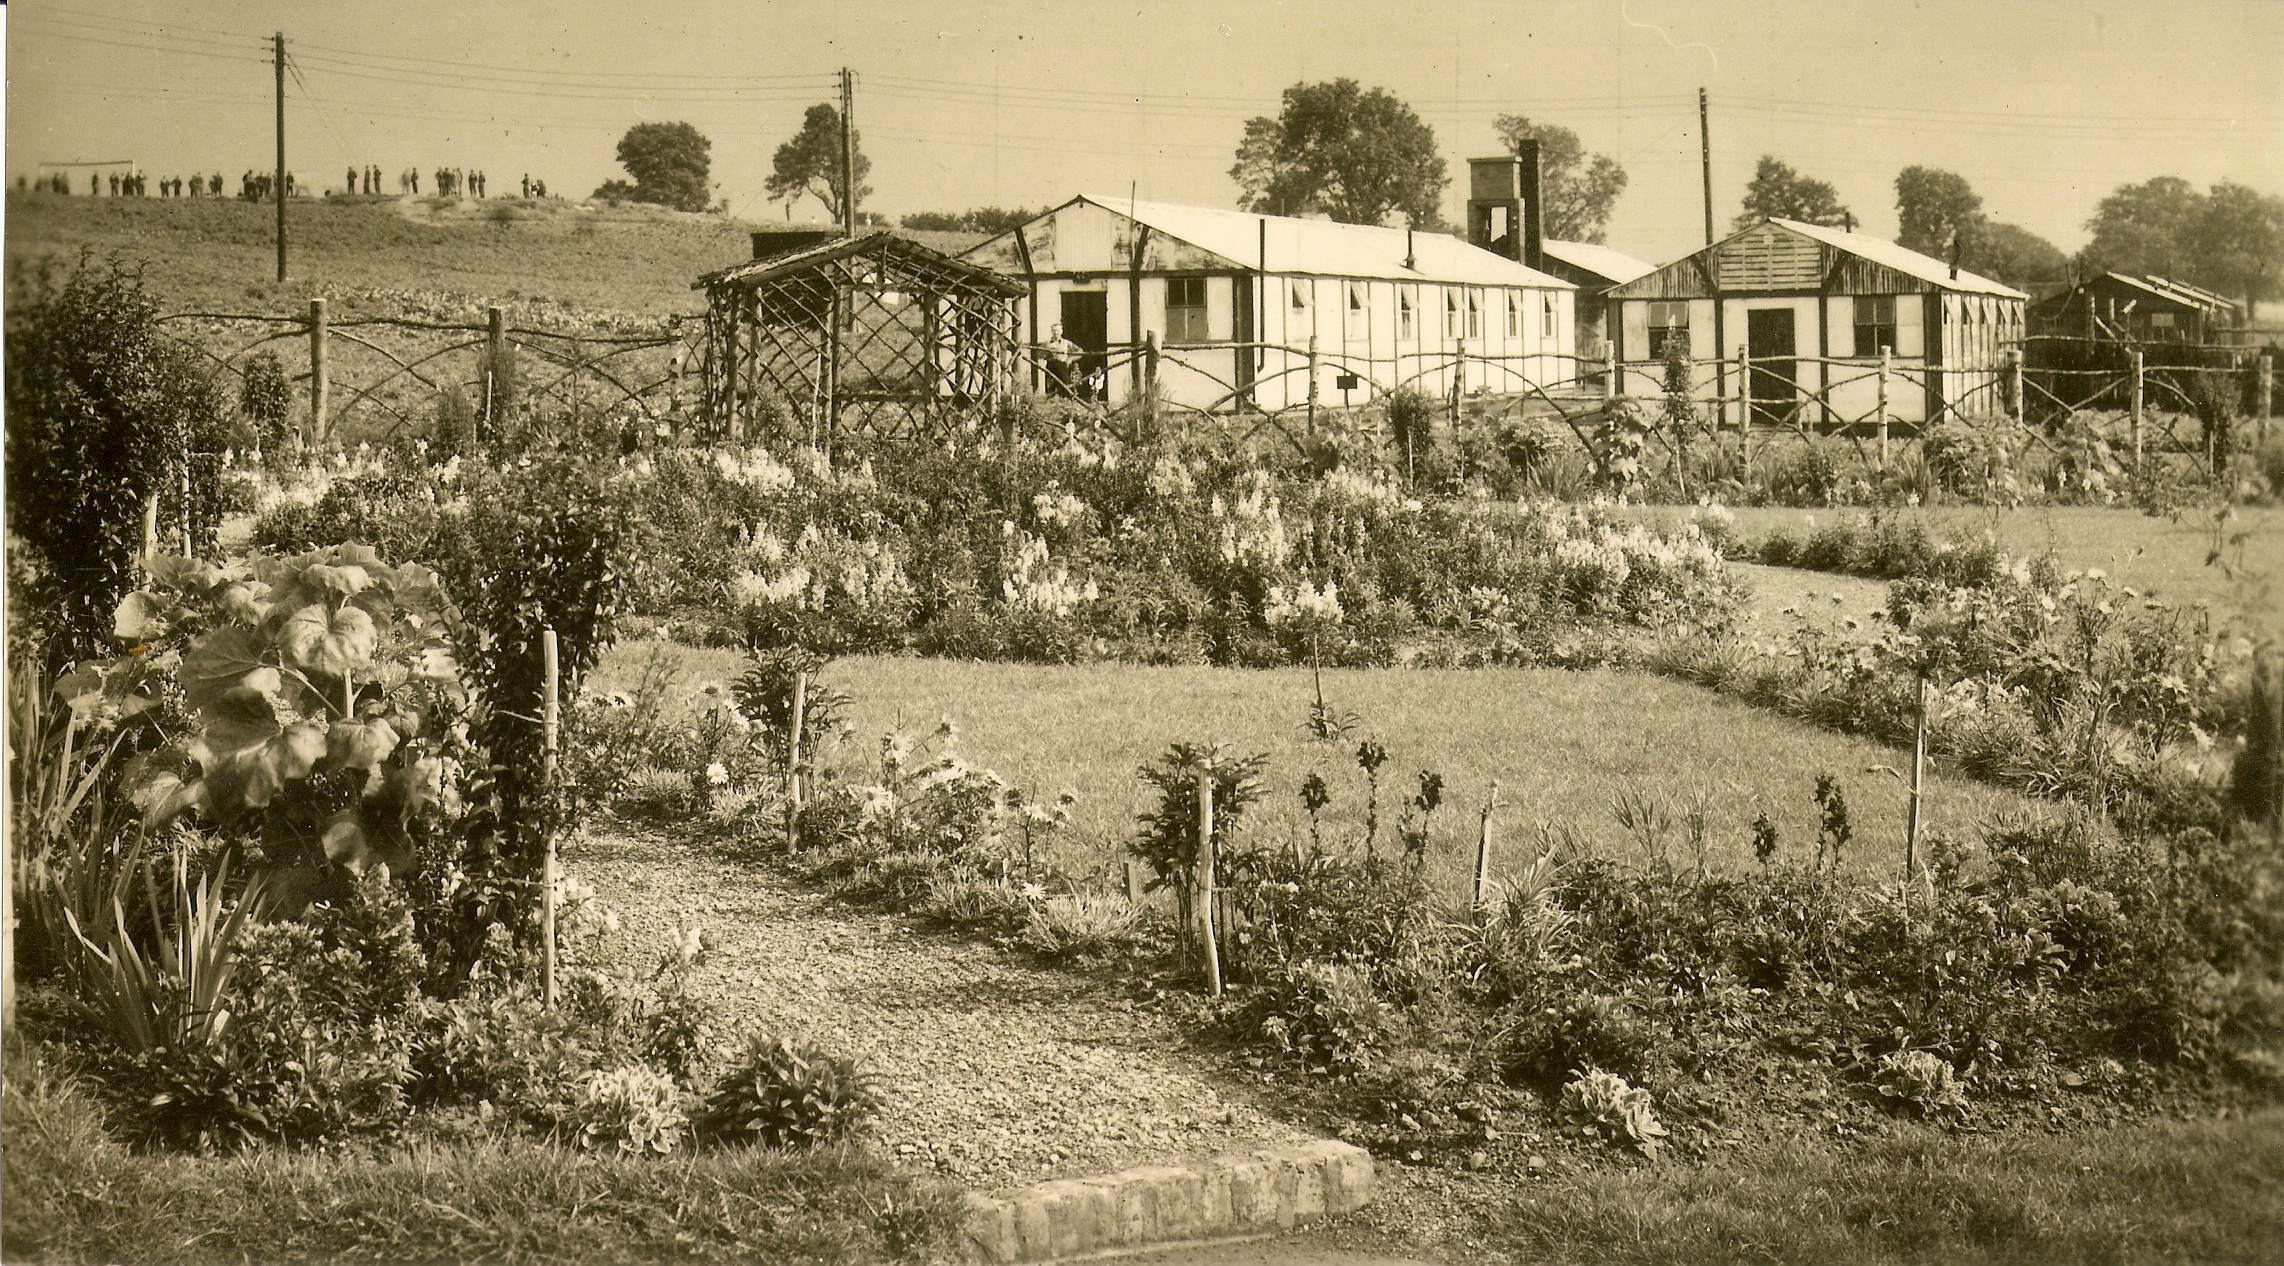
718 774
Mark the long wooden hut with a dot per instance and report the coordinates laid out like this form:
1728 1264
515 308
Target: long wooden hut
1236 300
1813 307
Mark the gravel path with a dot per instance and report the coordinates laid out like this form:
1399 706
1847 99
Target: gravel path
995 1073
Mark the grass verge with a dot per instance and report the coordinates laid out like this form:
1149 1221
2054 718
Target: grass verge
72 1194
2205 1191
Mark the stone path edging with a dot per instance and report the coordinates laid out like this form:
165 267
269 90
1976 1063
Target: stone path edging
1229 1197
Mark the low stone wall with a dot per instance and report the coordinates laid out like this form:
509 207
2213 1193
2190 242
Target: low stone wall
1227 1197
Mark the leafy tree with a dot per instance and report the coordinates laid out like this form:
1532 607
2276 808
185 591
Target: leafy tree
2143 228
1353 154
2238 241
104 413
1779 192
1580 190
670 163
993 220
2015 255
810 163
1937 211
2230 240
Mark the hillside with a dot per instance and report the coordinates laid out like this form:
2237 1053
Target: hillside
219 253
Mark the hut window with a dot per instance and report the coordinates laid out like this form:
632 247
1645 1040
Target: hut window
1474 314
1185 310
1451 314
1514 314
1875 324
1298 291
1407 312
1359 312
1668 320
1546 315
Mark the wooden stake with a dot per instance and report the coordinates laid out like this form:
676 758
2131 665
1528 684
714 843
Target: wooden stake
2134 409
2014 384
550 726
319 376
495 349
793 738
1609 371
1483 848
150 527
1204 883
1918 782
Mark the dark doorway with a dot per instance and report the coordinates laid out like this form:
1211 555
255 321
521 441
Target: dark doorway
1768 341
1241 333
1086 322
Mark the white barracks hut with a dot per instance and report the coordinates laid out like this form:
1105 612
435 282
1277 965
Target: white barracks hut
1385 307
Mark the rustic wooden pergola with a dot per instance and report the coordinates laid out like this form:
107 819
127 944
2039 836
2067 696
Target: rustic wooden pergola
873 334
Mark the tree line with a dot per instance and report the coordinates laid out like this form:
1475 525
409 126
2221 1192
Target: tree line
1363 156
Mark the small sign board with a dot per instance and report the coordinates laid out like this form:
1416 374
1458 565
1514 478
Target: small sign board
1346 382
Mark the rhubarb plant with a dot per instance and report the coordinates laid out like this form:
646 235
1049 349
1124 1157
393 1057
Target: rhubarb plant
318 695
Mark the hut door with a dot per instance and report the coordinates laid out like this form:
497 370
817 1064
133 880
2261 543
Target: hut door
1768 333
1086 322
1241 331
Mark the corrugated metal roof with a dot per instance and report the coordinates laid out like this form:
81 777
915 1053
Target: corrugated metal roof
2180 291
1902 259
1325 248
1600 260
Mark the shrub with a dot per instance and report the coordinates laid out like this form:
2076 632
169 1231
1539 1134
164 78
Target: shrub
1920 1081
1326 1014
787 1093
105 414
1546 1045
635 1110
264 402
1603 1106
1065 929
1168 842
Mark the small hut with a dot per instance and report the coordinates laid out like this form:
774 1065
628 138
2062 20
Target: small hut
822 335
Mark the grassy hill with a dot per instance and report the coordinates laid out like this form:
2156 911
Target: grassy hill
212 254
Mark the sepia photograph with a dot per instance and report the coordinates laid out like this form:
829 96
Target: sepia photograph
1260 633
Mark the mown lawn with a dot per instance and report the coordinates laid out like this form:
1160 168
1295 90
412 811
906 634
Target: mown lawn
1562 745
70 1193
2202 1191
2153 554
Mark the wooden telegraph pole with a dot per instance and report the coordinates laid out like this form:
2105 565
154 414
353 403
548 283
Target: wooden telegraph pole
1705 159
848 153
277 57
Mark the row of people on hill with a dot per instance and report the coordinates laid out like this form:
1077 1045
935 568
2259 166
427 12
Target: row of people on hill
256 186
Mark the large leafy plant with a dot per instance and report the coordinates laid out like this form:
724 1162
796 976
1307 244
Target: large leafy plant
320 691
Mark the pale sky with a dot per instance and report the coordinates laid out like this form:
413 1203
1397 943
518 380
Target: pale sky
2044 107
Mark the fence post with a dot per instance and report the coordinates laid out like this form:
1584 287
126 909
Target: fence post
1150 379
1203 883
317 372
1312 385
550 726
793 737
1609 372
1483 848
1887 362
1744 402
495 346
2266 399
2014 404
2134 409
